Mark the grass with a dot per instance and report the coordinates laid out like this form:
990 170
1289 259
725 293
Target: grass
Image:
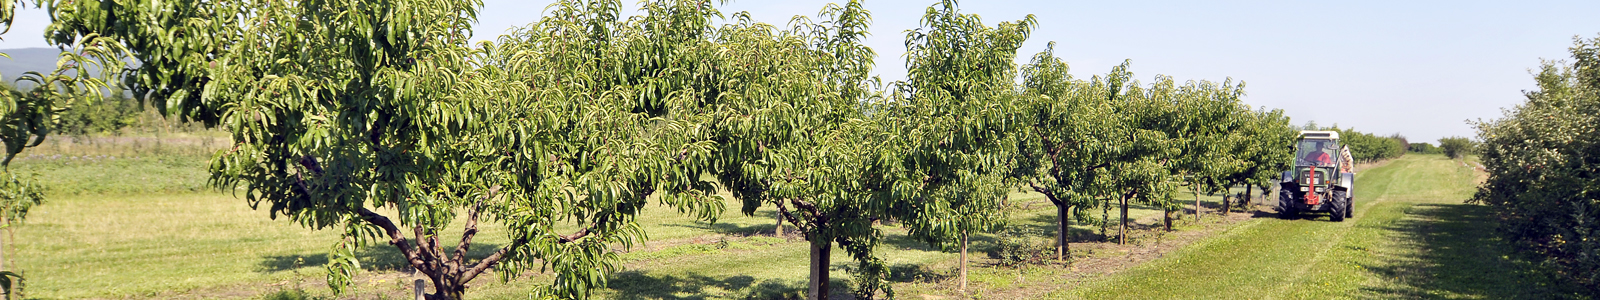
125 165
142 225
1412 237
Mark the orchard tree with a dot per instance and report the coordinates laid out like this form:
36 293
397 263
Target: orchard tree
1071 135
958 111
1205 117
376 119
28 113
799 133
1267 151
1542 158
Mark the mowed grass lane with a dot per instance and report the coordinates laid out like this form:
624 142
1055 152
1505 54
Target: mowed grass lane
1412 237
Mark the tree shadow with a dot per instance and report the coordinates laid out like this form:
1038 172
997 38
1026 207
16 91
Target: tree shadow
734 229
912 273
1045 227
1463 257
641 285
377 257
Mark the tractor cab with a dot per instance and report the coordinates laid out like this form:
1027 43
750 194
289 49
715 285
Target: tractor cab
1321 180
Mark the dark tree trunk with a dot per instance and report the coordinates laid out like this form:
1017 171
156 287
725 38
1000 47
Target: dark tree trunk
1166 217
1062 229
1249 196
1105 220
1226 206
1122 229
821 249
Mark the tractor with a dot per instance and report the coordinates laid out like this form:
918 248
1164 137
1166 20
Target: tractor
1322 179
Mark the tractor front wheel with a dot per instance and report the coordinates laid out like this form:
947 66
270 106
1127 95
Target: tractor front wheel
1340 208
1286 209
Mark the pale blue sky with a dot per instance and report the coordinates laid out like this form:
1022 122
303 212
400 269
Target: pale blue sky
1419 68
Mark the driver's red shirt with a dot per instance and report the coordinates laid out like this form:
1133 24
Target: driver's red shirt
1321 157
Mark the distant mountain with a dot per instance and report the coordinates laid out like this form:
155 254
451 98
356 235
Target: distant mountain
42 60
27 59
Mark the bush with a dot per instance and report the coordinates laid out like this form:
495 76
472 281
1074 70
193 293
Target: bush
108 115
1016 246
1455 147
1543 159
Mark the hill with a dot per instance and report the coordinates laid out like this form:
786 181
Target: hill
26 59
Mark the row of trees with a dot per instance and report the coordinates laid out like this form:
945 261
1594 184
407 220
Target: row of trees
1366 147
1543 158
378 119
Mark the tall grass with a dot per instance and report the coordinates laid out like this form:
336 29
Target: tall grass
140 164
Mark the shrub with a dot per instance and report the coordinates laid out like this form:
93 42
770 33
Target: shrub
1543 160
1455 147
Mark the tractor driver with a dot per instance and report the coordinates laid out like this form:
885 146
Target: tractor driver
1318 156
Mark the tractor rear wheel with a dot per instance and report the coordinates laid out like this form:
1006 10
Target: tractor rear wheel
1349 207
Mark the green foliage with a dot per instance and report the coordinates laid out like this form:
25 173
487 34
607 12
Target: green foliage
1016 246
578 120
1541 159
109 115
957 110
294 294
1092 143
1367 147
337 109
11 283
1424 148
1455 147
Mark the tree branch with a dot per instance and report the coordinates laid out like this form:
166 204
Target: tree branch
488 262
472 225
1048 193
395 237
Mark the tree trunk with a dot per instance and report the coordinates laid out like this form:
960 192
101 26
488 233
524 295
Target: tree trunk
1166 217
1197 204
1062 229
778 232
1122 229
821 248
1105 219
963 288
3 244
1249 196
1226 206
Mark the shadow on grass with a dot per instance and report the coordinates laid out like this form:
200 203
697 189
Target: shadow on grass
1463 258
377 257
641 285
734 229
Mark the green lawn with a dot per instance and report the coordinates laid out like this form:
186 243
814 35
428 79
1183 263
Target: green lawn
142 225
1412 237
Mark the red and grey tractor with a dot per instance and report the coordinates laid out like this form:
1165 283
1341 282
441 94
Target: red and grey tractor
1322 179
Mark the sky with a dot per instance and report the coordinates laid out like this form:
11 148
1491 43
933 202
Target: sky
1422 69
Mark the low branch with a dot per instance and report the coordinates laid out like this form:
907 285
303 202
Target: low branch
784 212
1048 194
471 229
396 238
489 262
